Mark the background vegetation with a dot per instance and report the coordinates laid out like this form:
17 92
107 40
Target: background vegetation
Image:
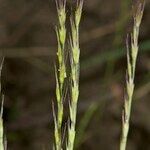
28 41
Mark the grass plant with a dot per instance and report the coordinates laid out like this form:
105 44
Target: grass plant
61 75
132 52
60 71
75 69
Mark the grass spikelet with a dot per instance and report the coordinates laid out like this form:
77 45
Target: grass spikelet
60 71
132 52
75 67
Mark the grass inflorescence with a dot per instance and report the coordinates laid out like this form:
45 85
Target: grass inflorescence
132 52
75 69
60 71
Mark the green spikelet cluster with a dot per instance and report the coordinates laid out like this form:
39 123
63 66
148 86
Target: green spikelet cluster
60 71
132 53
75 67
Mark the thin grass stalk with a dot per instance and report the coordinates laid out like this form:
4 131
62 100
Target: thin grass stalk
75 69
1 114
60 71
132 53
1 126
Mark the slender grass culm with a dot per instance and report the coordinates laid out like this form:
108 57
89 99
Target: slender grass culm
75 69
132 52
1 126
60 71
1 113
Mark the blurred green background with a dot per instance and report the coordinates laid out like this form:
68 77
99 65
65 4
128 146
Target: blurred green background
28 42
